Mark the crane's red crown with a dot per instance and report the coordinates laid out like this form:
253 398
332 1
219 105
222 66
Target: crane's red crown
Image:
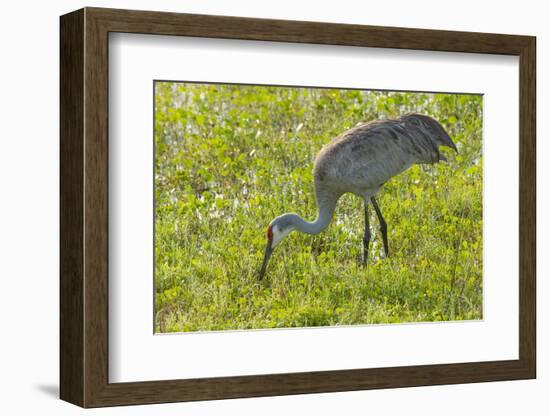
269 233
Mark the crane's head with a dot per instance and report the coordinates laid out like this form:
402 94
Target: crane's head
276 231
433 131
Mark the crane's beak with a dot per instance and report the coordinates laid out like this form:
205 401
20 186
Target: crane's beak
267 255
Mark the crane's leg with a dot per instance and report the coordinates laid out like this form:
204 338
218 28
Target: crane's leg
366 238
383 225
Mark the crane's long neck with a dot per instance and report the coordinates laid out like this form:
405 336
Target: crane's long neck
325 210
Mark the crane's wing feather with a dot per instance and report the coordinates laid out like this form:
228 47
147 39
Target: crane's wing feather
368 155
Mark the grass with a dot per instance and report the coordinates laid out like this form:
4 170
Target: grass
228 159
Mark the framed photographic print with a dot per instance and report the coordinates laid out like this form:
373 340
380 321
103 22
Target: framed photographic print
255 207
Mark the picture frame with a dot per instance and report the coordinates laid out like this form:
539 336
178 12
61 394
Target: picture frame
84 214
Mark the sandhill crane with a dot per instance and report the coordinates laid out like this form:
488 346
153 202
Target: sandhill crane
360 161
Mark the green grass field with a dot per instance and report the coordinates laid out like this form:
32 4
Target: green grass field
228 159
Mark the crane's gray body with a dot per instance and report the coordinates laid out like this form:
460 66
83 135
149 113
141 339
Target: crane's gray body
363 158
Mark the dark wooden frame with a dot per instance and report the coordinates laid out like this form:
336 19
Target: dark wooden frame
84 207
